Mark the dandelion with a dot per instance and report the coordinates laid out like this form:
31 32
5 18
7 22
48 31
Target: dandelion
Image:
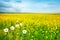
17 25
21 24
6 30
12 28
24 31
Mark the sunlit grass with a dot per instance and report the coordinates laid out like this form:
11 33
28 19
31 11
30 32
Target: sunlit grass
29 27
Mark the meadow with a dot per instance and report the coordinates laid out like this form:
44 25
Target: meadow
29 26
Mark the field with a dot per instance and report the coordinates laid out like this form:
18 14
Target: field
29 26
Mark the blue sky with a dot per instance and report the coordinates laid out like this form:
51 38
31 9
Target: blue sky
29 5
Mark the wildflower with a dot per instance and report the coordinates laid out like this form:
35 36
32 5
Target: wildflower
24 31
21 24
6 30
12 28
17 25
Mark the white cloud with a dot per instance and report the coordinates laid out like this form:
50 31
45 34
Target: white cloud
9 9
39 7
13 7
33 7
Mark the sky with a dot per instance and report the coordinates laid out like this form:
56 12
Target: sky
29 5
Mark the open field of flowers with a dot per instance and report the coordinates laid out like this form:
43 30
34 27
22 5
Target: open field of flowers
29 27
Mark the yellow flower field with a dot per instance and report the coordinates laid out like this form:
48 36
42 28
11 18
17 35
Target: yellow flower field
29 26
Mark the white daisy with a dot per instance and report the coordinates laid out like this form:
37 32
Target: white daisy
6 30
24 31
17 25
12 28
21 24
